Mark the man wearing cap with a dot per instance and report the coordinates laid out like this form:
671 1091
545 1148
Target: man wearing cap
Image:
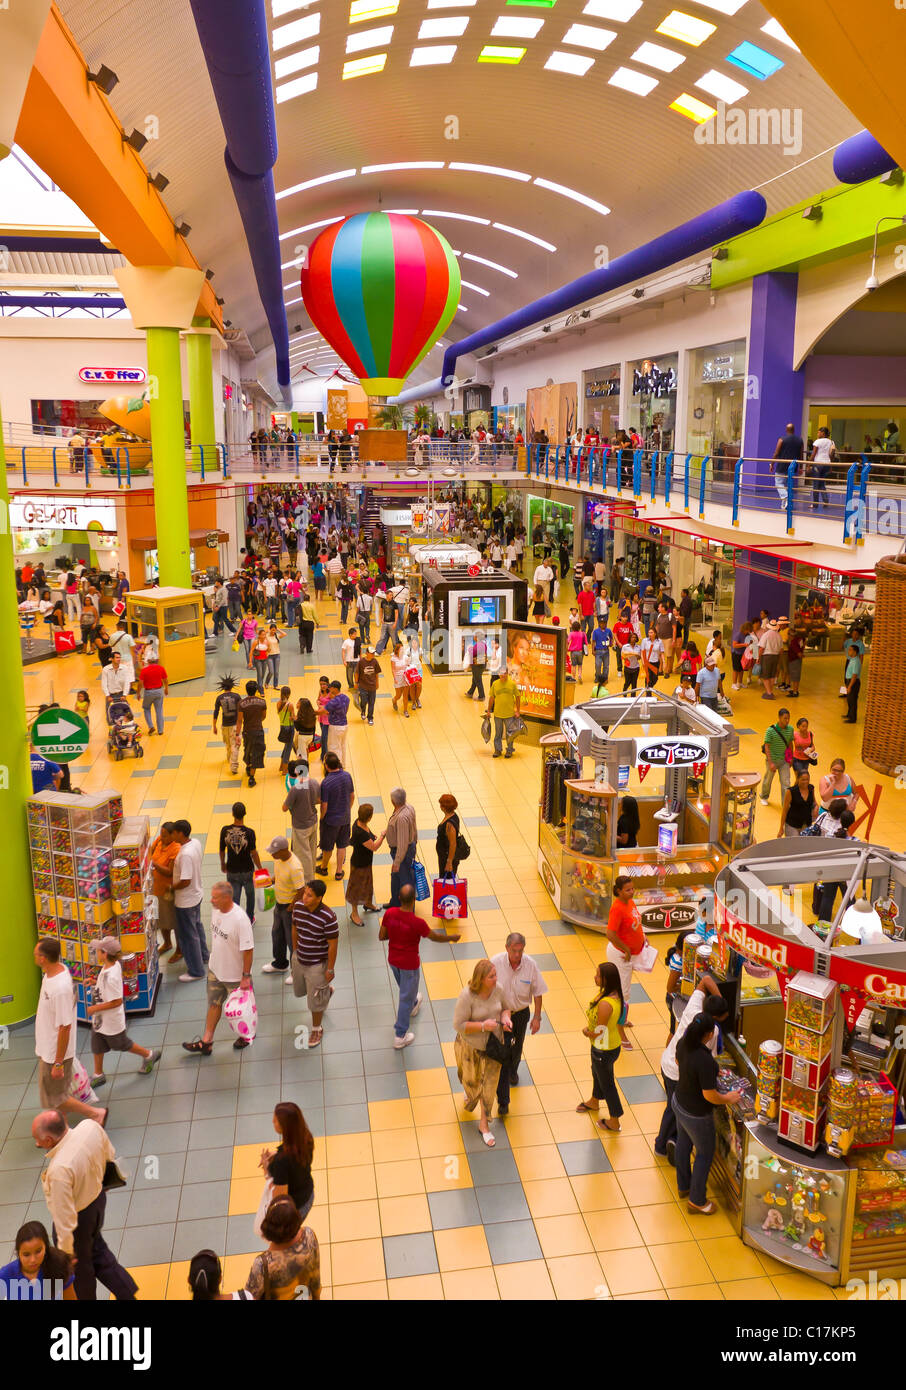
707 683
108 1013
770 645
289 880
230 965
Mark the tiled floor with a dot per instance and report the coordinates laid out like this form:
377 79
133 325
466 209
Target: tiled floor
409 1204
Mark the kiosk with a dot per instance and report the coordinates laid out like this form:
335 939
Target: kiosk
672 757
812 1162
176 618
461 602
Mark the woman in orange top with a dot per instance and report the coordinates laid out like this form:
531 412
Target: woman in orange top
625 939
163 853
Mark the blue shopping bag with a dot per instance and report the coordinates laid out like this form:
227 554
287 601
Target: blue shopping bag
422 888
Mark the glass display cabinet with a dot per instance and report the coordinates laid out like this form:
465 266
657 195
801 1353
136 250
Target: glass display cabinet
175 618
737 810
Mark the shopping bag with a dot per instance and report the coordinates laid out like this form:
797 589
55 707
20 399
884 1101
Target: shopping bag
724 707
486 728
516 726
411 675
267 1197
450 898
81 1087
646 959
241 1013
235 645
64 641
419 873
264 891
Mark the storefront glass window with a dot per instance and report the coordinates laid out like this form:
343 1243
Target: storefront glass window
511 419
550 524
599 518
858 429
601 396
652 405
716 394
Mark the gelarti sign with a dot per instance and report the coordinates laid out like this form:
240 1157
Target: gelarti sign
780 953
37 513
113 376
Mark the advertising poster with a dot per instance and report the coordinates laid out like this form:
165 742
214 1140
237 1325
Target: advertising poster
535 658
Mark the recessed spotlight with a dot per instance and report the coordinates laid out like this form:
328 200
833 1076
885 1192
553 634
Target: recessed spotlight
589 36
546 328
724 88
638 293
515 27
209 275
105 79
432 55
638 82
686 28
574 63
220 302
722 253
159 181
137 140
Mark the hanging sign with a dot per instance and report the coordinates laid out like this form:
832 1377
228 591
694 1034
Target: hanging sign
853 1001
642 770
672 752
780 953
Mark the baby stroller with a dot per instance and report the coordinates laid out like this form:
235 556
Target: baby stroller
124 735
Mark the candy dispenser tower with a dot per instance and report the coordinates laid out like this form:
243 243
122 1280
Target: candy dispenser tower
71 844
808 1044
135 913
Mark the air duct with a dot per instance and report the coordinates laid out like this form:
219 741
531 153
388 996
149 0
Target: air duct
60 301
234 40
861 157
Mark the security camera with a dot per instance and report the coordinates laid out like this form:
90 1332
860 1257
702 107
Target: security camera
872 283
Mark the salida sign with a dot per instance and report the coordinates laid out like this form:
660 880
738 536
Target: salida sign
111 376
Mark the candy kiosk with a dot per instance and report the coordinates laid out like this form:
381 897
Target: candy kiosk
812 1162
694 814
91 878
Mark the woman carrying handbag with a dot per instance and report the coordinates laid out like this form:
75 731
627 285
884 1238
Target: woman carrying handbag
287 1169
482 1022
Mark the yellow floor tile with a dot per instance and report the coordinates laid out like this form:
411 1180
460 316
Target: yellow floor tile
727 1257
353 1184
648 1116
236 1269
433 1081
416 1288
539 1161
628 1271
628 1152
373 1291
543 1045
770 1266
525 1282
562 1235
750 1290
644 1186
597 1192
613 1230
357 1261
347 1150
471 1285
399 1179
435 1141
152 1281
443 1172
578 1277
549 1070
566 1125
662 1222
319 1219
434 1110
695 1293
178 1281
443 979
354 1221
524 1100
524 1131
679 1263
559 1096
245 1195
390 1114
246 1158
402 1216
550 1197
796 1288
464 1247
648 1296
394 1145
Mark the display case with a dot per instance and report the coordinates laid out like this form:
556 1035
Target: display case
796 1209
589 806
879 1219
135 912
175 618
738 795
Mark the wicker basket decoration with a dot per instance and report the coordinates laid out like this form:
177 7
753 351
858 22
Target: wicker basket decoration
884 736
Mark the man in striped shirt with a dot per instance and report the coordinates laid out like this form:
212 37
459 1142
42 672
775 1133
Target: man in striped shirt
316 936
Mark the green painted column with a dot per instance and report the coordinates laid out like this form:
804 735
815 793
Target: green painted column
201 391
171 498
19 976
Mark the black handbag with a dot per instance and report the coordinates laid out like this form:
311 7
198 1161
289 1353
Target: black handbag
500 1051
113 1178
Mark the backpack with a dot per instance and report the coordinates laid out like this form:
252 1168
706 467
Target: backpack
686 666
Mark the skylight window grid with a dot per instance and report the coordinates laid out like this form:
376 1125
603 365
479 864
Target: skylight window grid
364 67
432 55
724 88
754 60
776 31
297 31
360 10
588 36
686 28
495 53
727 7
297 88
653 55
620 10
369 38
451 28
575 64
516 27
697 111
306 58
637 82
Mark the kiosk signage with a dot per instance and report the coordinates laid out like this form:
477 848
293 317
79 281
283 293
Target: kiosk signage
672 752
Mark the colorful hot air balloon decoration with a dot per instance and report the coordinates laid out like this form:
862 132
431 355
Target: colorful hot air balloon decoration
381 287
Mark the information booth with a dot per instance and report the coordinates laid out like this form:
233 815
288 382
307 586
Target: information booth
672 758
812 1161
461 602
176 618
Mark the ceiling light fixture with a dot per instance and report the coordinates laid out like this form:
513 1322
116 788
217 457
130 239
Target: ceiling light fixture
546 328
297 31
588 36
573 63
136 140
492 265
432 55
220 302
638 293
364 67
526 236
452 28
776 31
571 193
105 79
493 53
813 213
159 181
369 38
462 308
653 55
392 168
686 28
467 285
620 10
892 179
298 87
316 183
183 229
209 275
722 253
698 111
724 88
457 216
306 58
309 227
754 60
514 27
360 10
491 169
638 82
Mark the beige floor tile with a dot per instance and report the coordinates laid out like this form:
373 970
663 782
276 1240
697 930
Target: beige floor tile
525 1282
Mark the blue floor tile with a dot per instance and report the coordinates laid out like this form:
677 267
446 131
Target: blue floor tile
408 1255
639 1090
557 927
513 1241
581 1156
